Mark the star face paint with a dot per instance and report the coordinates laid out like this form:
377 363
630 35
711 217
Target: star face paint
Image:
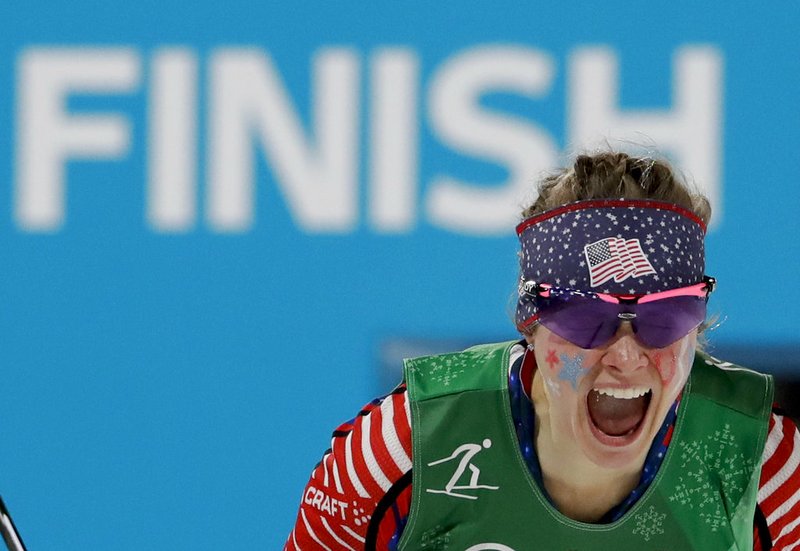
624 376
571 369
551 360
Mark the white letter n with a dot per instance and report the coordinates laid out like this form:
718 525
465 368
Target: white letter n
319 181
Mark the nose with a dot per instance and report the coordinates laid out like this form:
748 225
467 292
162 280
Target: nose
624 353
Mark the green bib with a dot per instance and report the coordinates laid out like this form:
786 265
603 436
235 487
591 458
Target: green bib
472 490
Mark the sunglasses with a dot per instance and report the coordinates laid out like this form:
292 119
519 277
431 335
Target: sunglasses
589 320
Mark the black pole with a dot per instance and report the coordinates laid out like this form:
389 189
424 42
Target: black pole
9 531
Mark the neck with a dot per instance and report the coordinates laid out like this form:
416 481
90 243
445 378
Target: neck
579 488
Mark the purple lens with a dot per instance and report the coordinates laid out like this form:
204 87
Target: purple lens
662 322
585 321
589 322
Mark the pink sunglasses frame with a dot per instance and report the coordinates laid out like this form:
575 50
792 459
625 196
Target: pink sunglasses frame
702 289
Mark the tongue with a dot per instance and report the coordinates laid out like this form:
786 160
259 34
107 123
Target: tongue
616 416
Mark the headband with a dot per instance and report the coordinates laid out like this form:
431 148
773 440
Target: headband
616 246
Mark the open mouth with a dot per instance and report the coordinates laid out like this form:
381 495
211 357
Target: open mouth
618 412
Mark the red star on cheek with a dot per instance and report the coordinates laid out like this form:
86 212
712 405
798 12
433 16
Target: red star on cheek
551 359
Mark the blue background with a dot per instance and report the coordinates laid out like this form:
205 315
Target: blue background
173 391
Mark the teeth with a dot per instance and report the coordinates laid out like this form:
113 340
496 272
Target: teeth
624 393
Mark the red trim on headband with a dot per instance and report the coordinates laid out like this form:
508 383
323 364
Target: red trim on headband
525 324
596 203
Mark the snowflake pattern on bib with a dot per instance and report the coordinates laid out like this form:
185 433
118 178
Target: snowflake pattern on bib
649 523
718 452
447 369
434 540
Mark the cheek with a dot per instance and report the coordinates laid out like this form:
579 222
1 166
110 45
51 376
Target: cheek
559 354
673 364
688 358
562 364
666 365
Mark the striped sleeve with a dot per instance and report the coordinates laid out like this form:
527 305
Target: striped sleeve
779 487
368 456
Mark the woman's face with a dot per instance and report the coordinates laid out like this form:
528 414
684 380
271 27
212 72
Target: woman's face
610 401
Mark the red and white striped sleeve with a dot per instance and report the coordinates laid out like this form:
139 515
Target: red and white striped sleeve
367 457
779 487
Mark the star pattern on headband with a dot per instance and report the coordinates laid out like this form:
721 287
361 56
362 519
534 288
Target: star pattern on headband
669 241
571 368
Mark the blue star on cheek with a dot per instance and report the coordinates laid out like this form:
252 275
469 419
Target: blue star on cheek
571 369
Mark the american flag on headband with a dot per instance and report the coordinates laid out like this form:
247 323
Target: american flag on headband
616 258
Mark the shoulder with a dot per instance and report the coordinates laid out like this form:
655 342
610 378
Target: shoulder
373 450
733 386
477 367
368 456
779 486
